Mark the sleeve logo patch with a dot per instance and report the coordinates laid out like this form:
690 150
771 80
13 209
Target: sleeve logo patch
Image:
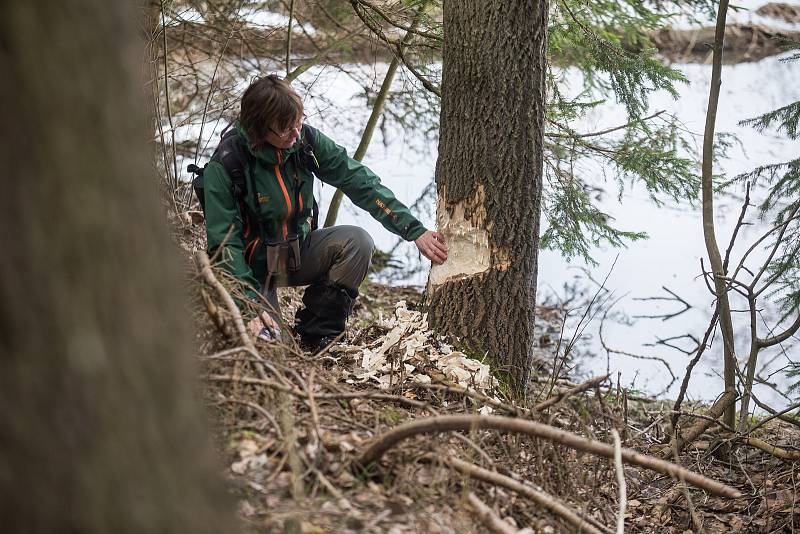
382 205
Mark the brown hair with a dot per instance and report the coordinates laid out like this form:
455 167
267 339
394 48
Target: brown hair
269 103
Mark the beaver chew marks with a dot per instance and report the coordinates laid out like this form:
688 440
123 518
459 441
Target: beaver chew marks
468 250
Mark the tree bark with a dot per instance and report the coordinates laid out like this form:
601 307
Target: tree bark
101 430
709 233
489 178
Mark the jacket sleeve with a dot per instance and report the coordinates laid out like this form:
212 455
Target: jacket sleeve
364 188
222 213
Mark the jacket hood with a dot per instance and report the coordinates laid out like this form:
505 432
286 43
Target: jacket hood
266 153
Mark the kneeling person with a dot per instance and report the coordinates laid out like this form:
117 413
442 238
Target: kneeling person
265 228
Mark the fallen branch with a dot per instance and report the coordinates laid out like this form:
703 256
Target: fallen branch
367 395
469 392
714 412
487 516
581 523
449 423
213 312
774 450
204 265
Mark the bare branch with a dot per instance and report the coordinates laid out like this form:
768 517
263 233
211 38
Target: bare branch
449 423
204 265
487 516
778 452
675 298
783 336
714 412
622 487
573 135
580 522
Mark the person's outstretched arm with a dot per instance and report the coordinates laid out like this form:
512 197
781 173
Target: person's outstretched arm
365 189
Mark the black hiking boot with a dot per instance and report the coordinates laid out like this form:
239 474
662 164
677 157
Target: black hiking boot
315 345
324 317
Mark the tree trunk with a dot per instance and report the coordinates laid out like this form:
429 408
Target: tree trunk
489 177
101 428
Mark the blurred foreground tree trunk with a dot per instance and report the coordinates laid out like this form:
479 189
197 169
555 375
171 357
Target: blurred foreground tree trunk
101 428
489 177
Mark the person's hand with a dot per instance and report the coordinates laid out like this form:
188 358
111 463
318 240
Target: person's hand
433 246
262 326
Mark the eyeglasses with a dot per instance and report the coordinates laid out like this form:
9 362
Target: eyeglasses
289 131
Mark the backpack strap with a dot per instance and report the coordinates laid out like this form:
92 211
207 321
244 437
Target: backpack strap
232 153
308 139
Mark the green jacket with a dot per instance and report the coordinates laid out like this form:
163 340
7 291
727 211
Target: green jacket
274 175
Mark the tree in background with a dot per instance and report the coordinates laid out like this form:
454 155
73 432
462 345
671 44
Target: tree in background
489 177
101 428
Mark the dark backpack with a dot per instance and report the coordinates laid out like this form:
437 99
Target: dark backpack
232 153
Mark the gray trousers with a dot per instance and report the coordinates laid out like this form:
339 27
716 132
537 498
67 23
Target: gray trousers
339 254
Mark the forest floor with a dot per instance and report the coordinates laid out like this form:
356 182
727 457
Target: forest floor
292 430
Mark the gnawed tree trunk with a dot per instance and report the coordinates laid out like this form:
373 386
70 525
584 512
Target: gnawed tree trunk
489 177
101 430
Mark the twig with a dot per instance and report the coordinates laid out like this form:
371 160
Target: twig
611 350
366 395
775 415
303 67
783 336
565 394
681 487
714 412
448 423
685 384
252 405
665 317
568 384
213 312
623 488
773 411
573 135
166 98
205 269
475 447
397 47
580 522
255 381
736 229
289 38
255 358
487 516
311 404
469 392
